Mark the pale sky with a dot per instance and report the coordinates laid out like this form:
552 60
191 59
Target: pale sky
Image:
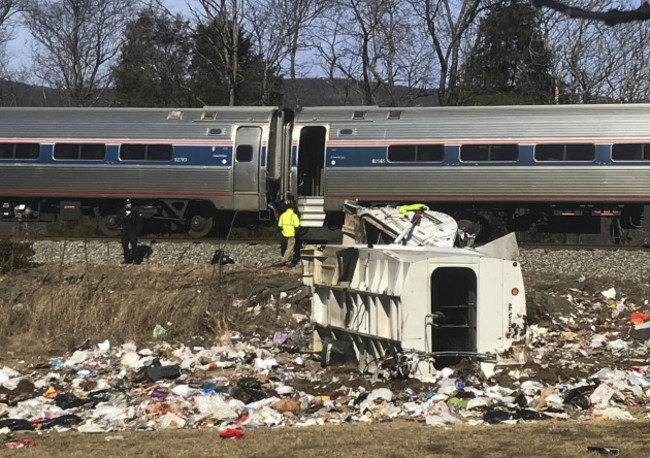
20 47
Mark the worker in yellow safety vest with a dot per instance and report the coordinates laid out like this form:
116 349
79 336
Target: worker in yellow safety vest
289 223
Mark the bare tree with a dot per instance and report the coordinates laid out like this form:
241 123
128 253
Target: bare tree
597 63
580 49
229 14
76 42
278 27
448 23
8 9
630 82
373 45
611 16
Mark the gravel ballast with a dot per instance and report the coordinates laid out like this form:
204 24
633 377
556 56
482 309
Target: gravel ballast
631 265
163 253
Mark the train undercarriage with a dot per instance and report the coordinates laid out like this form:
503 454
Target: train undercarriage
163 216
199 219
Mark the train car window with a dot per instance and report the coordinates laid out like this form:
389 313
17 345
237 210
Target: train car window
66 151
578 152
416 153
401 153
504 153
429 153
138 152
631 152
345 132
214 131
475 153
28 150
549 152
92 152
244 153
159 152
6 150
489 153
130 152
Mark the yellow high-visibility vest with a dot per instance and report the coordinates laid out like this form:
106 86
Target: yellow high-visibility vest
289 222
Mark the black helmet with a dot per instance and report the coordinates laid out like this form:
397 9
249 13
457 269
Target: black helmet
128 201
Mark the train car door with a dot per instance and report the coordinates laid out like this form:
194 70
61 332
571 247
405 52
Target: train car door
311 161
246 168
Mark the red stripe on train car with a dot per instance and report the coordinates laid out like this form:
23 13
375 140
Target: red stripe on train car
487 196
94 193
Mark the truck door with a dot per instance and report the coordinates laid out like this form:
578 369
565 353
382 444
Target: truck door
246 168
453 307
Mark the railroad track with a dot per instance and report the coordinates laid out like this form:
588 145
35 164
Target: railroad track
577 247
180 239
148 240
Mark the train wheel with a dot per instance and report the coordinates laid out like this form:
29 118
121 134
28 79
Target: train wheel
200 226
108 225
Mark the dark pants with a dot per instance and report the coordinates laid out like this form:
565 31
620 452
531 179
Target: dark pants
283 244
129 243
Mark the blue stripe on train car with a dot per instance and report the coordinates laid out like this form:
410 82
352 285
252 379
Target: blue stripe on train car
201 155
373 156
376 156
183 155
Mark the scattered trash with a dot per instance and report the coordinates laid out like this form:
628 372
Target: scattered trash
335 352
280 338
16 424
114 438
157 372
64 421
220 257
104 347
20 443
159 332
69 400
610 451
239 382
609 294
231 433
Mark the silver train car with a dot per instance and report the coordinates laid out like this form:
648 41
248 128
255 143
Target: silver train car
181 166
557 168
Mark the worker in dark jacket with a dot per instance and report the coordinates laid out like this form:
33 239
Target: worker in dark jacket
128 218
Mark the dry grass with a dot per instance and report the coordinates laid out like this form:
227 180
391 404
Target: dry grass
14 255
62 306
398 439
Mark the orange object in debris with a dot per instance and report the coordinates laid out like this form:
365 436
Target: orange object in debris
51 393
639 318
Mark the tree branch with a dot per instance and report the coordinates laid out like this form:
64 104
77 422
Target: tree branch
611 17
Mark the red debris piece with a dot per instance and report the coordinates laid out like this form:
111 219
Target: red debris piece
21 443
234 433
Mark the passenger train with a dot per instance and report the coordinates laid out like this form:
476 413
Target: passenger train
557 168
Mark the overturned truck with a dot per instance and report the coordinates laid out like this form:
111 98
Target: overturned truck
439 301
